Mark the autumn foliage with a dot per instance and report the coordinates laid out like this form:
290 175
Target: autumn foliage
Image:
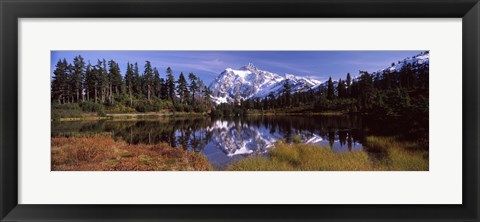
106 154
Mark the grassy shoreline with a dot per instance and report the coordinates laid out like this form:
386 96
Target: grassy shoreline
102 153
115 116
153 115
397 156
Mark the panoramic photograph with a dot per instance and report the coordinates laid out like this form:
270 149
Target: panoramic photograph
239 110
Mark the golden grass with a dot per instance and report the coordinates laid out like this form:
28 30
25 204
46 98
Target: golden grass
105 154
399 156
303 157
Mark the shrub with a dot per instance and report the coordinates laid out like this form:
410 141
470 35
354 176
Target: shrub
199 109
66 106
57 114
146 106
69 110
188 108
179 107
89 106
119 108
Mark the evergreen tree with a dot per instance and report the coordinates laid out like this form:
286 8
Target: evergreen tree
170 84
341 90
366 90
387 79
103 80
117 83
157 84
78 77
182 90
423 79
59 81
90 82
287 92
330 90
71 86
208 96
193 85
376 81
129 82
137 81
148 80
163 89
271 101
348 82
99 81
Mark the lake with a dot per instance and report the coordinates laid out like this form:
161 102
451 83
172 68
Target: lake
229 139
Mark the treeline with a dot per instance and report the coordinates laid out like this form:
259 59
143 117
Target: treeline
103 85
389 92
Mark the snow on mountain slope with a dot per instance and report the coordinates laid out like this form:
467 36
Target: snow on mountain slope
421 58
251 82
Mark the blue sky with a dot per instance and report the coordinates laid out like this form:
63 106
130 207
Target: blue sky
208 64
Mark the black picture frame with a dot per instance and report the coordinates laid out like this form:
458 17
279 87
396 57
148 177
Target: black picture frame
11 11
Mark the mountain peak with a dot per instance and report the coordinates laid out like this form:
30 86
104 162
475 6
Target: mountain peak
289 76
249 66
250 82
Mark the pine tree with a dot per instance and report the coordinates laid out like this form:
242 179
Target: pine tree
103 86
193 85
330 90
170 83
387 79
208 95
341 90
117 84
182 90
59 81
423 79
348 84
78 77
137 81
129 82
148 80
164 89
287 92
97 82
366 90
376 81
157 84
90 82
271 101
71 86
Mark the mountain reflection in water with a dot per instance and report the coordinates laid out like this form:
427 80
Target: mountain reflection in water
226 140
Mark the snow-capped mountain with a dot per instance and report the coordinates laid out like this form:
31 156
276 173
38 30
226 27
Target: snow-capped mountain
251 82
422 58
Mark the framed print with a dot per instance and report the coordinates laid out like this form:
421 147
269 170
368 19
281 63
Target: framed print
225 110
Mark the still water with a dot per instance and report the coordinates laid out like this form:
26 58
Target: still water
226 140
